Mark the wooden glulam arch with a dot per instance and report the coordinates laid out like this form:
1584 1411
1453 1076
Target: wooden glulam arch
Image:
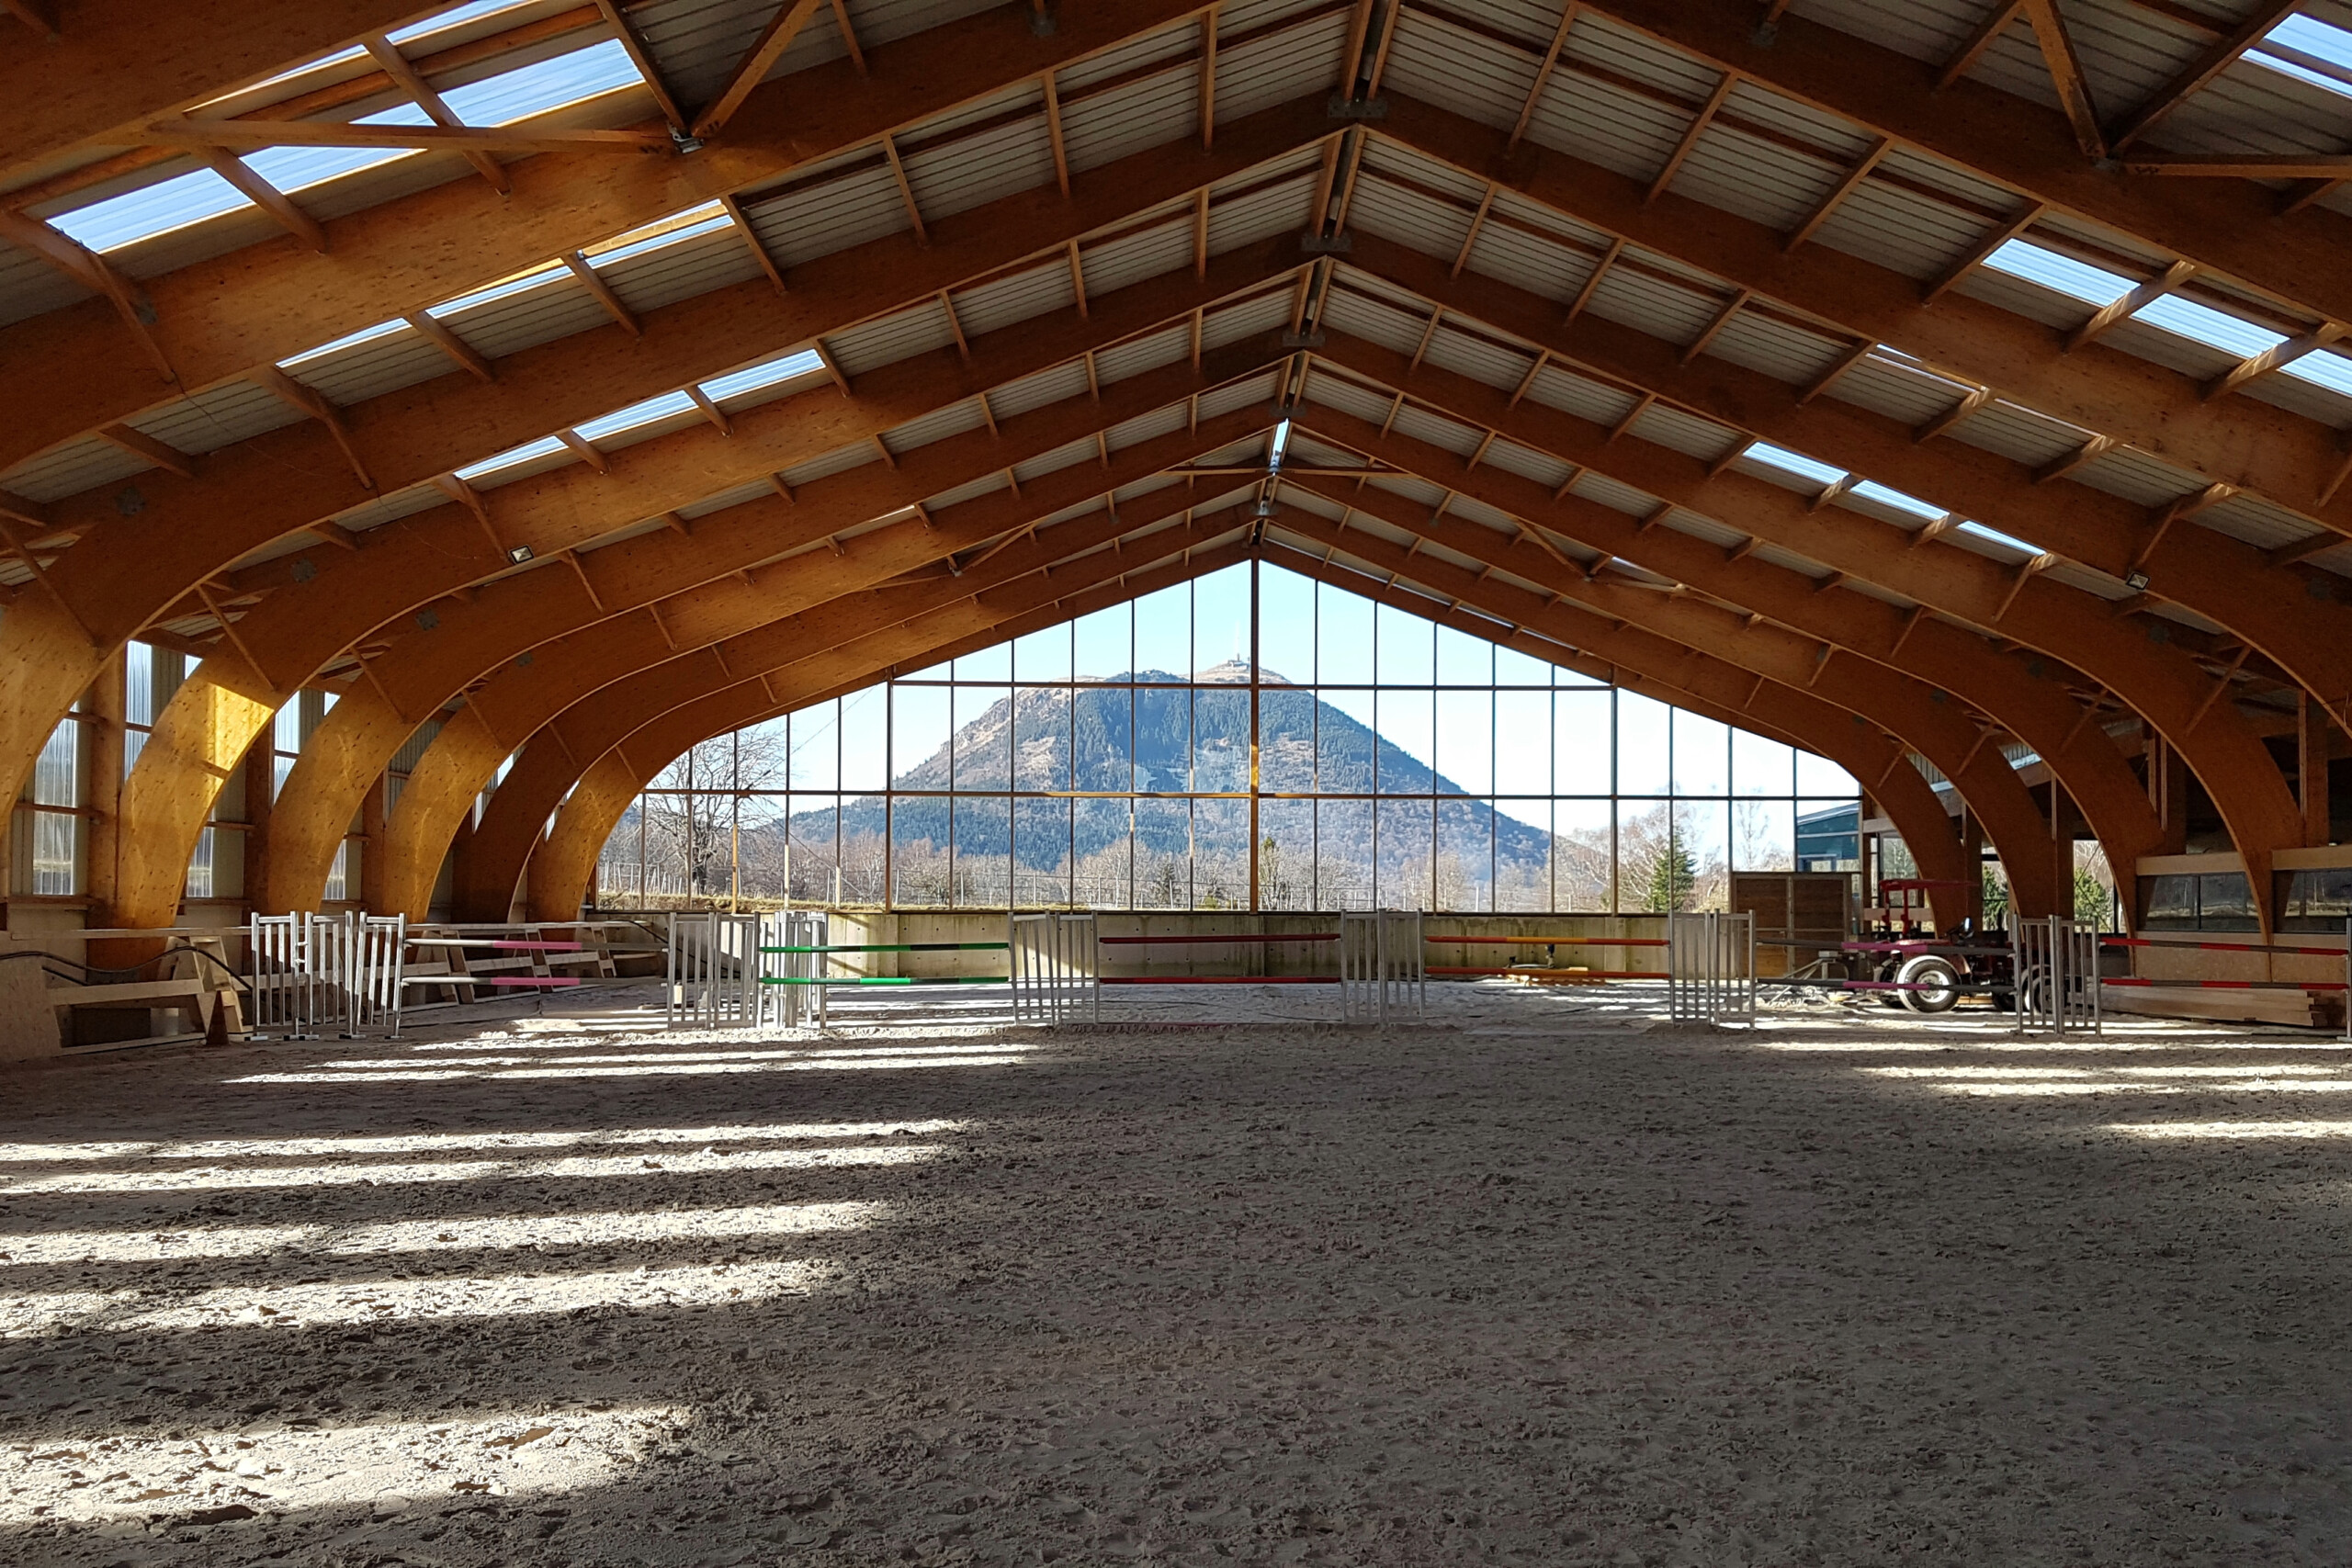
2233 440
1913 710
520 701
2224 580
2228 225
425 667
183 531
2171 692
595 793
321 602
263 303
1783 679
1848 626
1904 794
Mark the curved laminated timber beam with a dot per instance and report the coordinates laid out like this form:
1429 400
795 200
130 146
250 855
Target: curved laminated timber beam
1656 667
2170 690
593 796
261 304
2107 393
2225 224
664 587
2224 580
570 713
163 535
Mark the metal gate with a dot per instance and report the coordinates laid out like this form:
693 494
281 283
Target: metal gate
1711 968
1050 958
2057 966
1383 972
714 962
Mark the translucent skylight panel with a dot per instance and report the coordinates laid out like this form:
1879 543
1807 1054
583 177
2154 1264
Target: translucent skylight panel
735 383
1870 489
365 334
2202 323
1998 537
292 169
2323 42
2078 280
655 242
629 418
545 446
2333 371
151 210
1796 463
455 16
549 85
500 290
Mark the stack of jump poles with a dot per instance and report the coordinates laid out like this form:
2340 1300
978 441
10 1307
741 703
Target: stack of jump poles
1549 972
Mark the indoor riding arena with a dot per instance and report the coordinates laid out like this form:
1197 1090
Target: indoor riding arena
1008 781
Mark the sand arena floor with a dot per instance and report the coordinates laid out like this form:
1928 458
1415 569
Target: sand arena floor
1537 1284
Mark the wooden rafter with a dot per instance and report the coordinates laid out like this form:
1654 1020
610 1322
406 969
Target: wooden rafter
314 404
709 411
1845 187
39 14
1207 107
586 450
1542 75
2131 304
849 38
752 240
2215 58
405 77
459 350
905 190
623 317
2271 359
93 272
1698 127
1478 224
268 197
139 443
1698 346
1980 39
2243 165
757 60
1077 275
642 59
1975 256
2066 75
1054 133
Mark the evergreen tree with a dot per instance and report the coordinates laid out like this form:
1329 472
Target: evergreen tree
1671 878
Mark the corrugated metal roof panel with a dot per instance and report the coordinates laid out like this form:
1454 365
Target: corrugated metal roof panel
1581 396
1778 348
938 425
1139 355
1348 396
2297 396
1054 461
955 176
1653 305
1147 427
536 315
2021 298
1407 165
1475 355
1348 311
1699 526
1511 255
1132 258
215 417
735 495
1313 502
2260 523
1261 313
2138 477
1007 301
70 468
1050 386
371 369
390 508
1159 108
1422 424
890 338
2016 434
1528 463
1602 123
1412 487
1755 179
1930 30
812 220
1686 432
1238 395
1246 219
1394 213
2196 360
1614 494
1476 77
29 285
987 485
1602 41
1279 67
1900 228
841 460
655 278
1163 45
